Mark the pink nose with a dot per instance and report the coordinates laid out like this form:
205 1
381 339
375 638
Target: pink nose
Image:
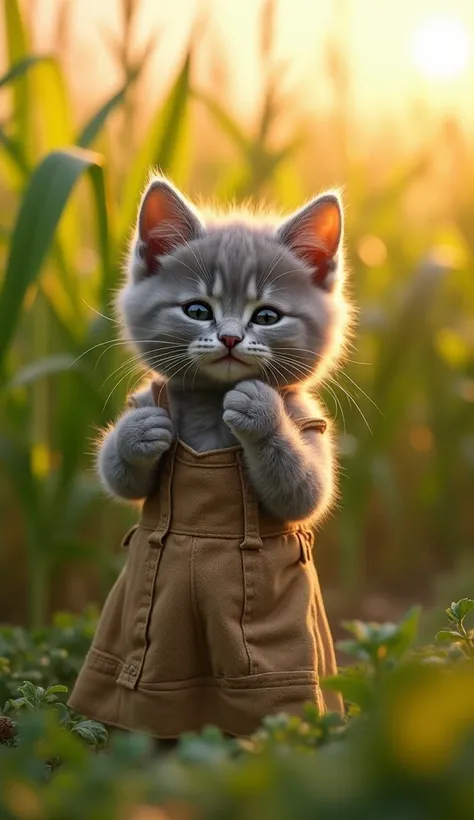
230 341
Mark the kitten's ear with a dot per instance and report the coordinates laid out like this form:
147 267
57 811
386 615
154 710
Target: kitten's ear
314 235
165 221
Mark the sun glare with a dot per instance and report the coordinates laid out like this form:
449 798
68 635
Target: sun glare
441 48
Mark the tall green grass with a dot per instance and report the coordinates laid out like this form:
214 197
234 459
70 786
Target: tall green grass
403 402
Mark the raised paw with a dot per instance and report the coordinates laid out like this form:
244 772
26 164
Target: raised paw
253 410
144 434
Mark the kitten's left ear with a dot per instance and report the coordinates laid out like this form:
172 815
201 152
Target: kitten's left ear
314 235
166 220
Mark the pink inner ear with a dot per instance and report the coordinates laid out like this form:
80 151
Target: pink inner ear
163 223
159 243
315 234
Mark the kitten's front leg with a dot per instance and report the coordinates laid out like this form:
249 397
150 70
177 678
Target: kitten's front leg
130 452
291 473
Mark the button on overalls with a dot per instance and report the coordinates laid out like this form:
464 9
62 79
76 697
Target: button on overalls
217 616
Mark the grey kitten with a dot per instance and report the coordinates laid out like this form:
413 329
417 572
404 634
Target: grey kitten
238 318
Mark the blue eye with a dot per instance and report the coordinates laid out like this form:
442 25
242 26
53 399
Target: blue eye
266 316
199 311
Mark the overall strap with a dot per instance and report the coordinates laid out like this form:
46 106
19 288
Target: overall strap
252 540
311 424
166 478
133 664
160 397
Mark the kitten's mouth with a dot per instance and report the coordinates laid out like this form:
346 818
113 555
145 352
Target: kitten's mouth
229 357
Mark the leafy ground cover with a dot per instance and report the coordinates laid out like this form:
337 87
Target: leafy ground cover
405 748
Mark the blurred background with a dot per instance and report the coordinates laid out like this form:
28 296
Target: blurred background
236 100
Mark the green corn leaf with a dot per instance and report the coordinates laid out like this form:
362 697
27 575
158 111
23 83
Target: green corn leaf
52 107
15 152
38 370
163 146
15 461
94 125
16 147
225 121
18 49
45 198
21 68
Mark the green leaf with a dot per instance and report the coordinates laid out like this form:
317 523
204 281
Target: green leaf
162 147
14 150
16 462
352 647
56 689
464 606
448 636
354 690
20 68
452 616
40 369
43 203
359 629
30 691
18 49
225 121
406 632
93 127
94 733
51 106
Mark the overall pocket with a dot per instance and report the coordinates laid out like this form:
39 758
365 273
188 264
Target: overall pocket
278 620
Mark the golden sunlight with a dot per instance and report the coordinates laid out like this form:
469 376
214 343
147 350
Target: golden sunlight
441 48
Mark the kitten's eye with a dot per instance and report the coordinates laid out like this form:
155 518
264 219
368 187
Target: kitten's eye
266 316
199 311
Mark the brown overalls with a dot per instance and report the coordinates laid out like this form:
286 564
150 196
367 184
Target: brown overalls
217 616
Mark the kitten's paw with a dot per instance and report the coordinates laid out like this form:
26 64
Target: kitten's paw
144 434
253 410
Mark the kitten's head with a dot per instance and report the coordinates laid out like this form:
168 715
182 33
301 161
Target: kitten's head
211 304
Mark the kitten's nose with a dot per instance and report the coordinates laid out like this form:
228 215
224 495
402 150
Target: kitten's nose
230 341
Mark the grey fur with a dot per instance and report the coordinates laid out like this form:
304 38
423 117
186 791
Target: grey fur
234 267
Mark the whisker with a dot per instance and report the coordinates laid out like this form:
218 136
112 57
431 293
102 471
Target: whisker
303 367
363 393
133 361
198 361
318 355
147 341
352 401
338 405
274 368
155 360
101 344
141 377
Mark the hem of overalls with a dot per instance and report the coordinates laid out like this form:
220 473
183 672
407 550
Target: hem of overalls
166 710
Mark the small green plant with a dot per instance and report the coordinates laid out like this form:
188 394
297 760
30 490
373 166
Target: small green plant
458 634
378 648
45 656
35 699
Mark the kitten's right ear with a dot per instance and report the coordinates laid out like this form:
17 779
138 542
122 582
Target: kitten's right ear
165 221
